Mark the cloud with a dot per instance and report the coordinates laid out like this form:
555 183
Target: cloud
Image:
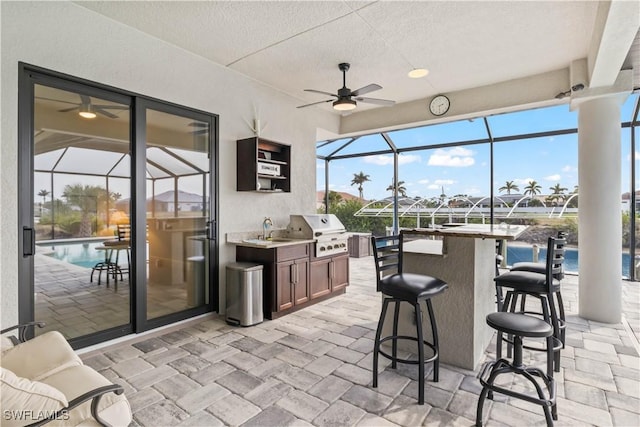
458 157
637 156
319 165
444 181
569 168
433 187
387 159
423 181
522 181
555 177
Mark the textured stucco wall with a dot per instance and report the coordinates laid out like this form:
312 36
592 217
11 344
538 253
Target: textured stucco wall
68 38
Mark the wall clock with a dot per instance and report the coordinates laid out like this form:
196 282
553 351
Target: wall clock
439 105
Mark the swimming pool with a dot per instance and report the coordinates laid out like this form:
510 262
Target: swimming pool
78 252
525 253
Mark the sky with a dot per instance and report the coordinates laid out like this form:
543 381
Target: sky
466 169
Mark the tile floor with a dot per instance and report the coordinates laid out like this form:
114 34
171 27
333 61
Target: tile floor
313 367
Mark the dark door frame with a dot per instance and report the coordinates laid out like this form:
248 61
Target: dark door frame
28 77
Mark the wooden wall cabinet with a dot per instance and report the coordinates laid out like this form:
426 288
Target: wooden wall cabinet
263 165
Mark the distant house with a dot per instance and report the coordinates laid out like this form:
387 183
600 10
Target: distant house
345 197
166 202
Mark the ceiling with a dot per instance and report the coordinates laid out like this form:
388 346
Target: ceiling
292 46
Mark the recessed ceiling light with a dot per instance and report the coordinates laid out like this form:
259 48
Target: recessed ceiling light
417 73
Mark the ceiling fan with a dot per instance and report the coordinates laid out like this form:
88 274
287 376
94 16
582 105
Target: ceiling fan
88 110
346 98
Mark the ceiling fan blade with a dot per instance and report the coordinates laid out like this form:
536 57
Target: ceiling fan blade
111 107
378 101
315 103
65 110
366 89
105 113
322 92
55 100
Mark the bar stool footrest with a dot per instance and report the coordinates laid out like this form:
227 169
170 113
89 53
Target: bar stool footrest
409 362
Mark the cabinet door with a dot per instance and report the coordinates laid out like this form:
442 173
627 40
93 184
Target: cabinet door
339 272
284 287
300 281
319 283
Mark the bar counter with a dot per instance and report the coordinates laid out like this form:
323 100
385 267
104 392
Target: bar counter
465 259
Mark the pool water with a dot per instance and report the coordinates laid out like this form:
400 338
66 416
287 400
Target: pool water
83 254
525 253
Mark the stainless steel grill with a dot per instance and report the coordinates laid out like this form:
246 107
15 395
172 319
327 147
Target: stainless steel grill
326 229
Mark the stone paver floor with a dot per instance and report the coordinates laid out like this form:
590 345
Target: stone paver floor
313 367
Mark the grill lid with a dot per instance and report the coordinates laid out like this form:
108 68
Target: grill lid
313 226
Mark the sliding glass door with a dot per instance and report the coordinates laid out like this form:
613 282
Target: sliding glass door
117 209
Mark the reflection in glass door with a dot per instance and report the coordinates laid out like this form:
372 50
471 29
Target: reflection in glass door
177 212
81 196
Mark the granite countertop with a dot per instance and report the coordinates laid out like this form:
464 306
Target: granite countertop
250 239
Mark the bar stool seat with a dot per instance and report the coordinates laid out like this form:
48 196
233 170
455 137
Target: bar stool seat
519 326
411 287
399 287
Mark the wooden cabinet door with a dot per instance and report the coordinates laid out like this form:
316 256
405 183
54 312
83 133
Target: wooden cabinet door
300 281
284 285
339 272
319 283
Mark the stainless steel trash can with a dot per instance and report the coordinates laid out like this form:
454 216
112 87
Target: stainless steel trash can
244 294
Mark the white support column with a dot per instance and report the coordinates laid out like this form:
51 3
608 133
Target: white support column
600 231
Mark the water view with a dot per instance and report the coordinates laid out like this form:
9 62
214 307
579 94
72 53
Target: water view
525 253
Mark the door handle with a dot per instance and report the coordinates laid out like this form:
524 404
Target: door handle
28 241
292 271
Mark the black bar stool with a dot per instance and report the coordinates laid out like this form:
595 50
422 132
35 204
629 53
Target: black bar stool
410 288
540 267
520 326
542 286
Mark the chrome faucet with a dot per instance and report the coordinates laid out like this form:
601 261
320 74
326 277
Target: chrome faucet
265 227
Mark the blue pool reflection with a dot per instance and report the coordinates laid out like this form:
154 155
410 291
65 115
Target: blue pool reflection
83 254
525 253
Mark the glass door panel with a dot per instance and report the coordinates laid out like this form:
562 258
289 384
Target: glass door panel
178 213
81 193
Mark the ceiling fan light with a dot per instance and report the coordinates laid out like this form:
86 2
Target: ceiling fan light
417 73
87 112
344 104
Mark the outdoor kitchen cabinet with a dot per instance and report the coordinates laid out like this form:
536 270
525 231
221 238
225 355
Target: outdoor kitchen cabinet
294 278
292 284
263 165
328 275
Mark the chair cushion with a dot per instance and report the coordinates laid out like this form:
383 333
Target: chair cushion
411 287
40 357
519 324
25 402
525 281
534 267
77 380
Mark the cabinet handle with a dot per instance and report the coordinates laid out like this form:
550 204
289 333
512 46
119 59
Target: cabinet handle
331 270
292 271
297 273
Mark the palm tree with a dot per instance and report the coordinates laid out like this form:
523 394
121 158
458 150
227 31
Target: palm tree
402 190
43 193
509 186
557 193
532 188
85 197
359 179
